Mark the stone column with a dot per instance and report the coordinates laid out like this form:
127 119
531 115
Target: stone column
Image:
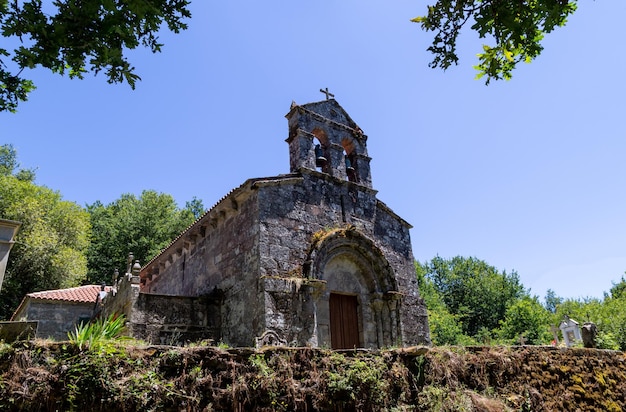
393 303
377 308
301 151
362 167
337 162
317 290
8 230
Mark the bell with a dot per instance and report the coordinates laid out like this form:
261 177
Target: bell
350 170
349 167
320 160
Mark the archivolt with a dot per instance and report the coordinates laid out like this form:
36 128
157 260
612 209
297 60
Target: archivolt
349 243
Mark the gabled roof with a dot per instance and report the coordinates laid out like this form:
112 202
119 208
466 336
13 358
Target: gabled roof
324 108
329 111
80 294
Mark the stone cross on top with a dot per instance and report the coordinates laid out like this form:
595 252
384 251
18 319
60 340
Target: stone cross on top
327 93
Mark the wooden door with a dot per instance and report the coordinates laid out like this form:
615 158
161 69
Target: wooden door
344 321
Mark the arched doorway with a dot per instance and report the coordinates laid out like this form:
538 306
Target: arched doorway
344 321
359 304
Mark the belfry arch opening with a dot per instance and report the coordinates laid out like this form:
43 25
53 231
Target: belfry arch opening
349 155
321 150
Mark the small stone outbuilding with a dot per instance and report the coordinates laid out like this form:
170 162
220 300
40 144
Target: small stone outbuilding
58 312
310 257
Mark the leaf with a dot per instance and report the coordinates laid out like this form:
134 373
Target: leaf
508 55
516 30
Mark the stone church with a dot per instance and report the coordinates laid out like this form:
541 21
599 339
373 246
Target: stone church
308 258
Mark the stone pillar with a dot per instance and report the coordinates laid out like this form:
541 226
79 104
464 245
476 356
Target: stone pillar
362 166
301 150
393 314
337 162
377 308
317 292
8 230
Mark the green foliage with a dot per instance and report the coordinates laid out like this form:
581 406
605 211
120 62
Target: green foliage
472 303
50 247
477 293
75 36
97 334
8 160
142 225
194 208
528 318
619 289
83 376
57 376
552 301
609 315
515 28
358 380
9 165
443 399
445 328
607 340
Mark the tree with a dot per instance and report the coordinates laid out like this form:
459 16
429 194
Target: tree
609 315
142 225
49 252
618 289
195 208
516 29
76 36
8 160
528 319
474 291
552 301
445 328
9 165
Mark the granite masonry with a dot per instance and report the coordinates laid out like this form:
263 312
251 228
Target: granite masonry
308 258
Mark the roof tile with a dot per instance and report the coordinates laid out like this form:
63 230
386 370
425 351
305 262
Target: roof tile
81 294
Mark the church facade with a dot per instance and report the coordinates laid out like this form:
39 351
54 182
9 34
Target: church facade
308 258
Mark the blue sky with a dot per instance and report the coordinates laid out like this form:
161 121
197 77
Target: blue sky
527 175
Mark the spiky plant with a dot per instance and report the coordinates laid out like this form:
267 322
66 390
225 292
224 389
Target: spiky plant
94 334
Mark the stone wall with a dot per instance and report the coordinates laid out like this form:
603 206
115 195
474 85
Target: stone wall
56 319
122 297
12 331
391 234
39 376
292 214
222 258
176 320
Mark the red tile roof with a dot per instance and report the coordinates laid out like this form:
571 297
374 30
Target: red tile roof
81 294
